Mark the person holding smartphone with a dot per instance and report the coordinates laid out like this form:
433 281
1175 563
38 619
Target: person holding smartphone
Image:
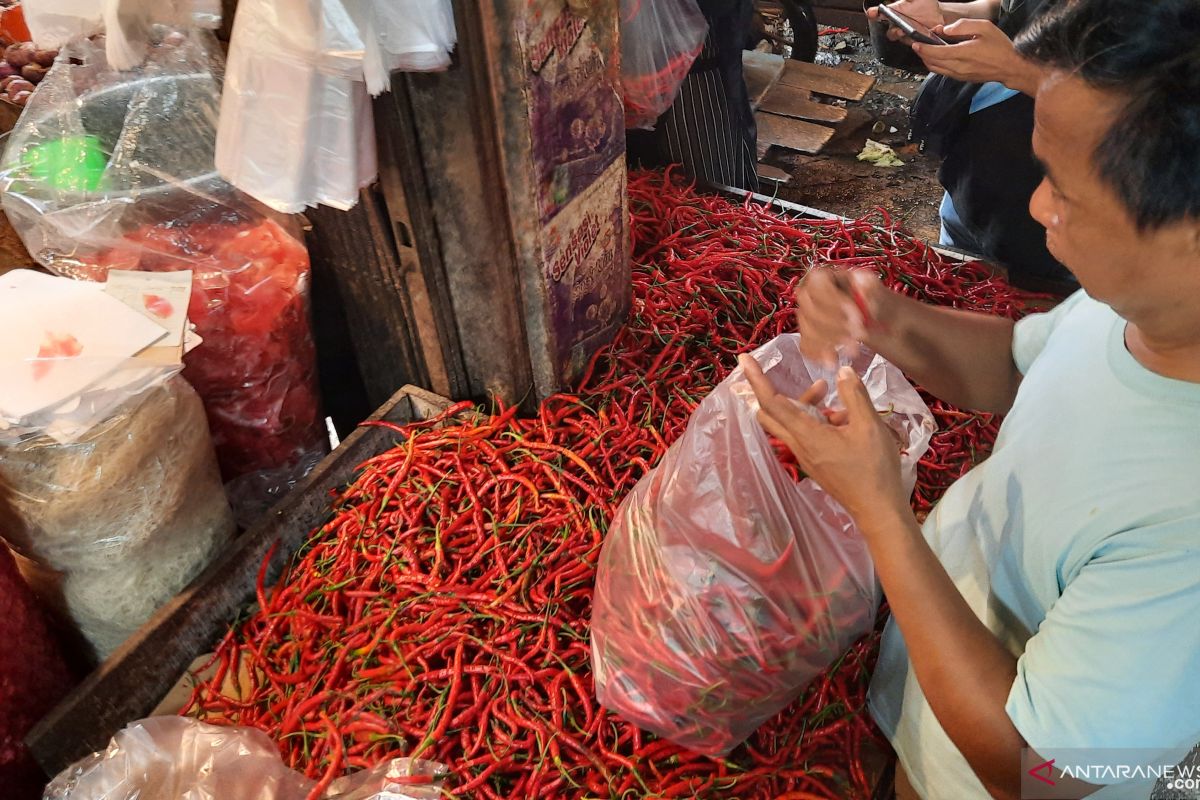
1043 617
976 112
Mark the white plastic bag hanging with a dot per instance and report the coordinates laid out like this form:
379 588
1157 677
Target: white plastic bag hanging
406 35
296 128
724 585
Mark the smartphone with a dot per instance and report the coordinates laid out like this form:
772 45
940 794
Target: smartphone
915 30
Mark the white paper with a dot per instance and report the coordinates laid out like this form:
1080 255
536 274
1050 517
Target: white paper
58 337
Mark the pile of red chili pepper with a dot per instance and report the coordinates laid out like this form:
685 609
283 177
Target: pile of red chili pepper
443 609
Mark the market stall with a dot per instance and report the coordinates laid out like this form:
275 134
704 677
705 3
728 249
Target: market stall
469 592
393 625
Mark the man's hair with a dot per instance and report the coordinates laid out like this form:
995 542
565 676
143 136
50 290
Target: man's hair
1147 51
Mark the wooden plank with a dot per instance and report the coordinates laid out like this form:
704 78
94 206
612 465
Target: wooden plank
454 114
13 254
134 680
823 80
405 188
855 19
762 71
356 248
792 101
793 134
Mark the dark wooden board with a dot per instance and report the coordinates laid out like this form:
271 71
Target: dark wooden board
854 19
824 80
356 249
792 101
462 156
793 134
422 272
133 681
9 114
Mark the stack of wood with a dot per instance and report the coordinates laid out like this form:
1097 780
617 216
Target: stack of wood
787 94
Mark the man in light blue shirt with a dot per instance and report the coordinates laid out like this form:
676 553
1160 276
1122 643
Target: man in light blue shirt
1049 604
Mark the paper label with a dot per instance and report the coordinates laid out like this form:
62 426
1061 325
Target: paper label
161 297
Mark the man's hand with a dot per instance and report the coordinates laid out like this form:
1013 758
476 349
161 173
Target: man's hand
835 308
983 53
857 462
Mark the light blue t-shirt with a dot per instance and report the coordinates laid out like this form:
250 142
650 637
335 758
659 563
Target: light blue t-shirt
1078 544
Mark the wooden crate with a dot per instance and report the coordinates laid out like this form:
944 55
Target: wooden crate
133 681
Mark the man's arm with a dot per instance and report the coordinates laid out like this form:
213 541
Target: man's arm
962 357
962 668
982 51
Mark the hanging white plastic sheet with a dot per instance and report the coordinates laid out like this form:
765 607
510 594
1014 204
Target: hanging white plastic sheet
296 128
407 35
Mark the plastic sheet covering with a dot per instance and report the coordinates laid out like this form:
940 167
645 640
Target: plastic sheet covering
115 524
659 41
174 758
114 170
725 586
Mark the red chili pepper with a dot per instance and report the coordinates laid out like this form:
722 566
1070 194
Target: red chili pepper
444 607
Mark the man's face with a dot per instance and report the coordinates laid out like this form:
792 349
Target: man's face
1087 227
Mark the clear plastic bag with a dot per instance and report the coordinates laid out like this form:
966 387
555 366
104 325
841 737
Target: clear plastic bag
175 758
129 25
659 41
724 585
114 170
111 526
